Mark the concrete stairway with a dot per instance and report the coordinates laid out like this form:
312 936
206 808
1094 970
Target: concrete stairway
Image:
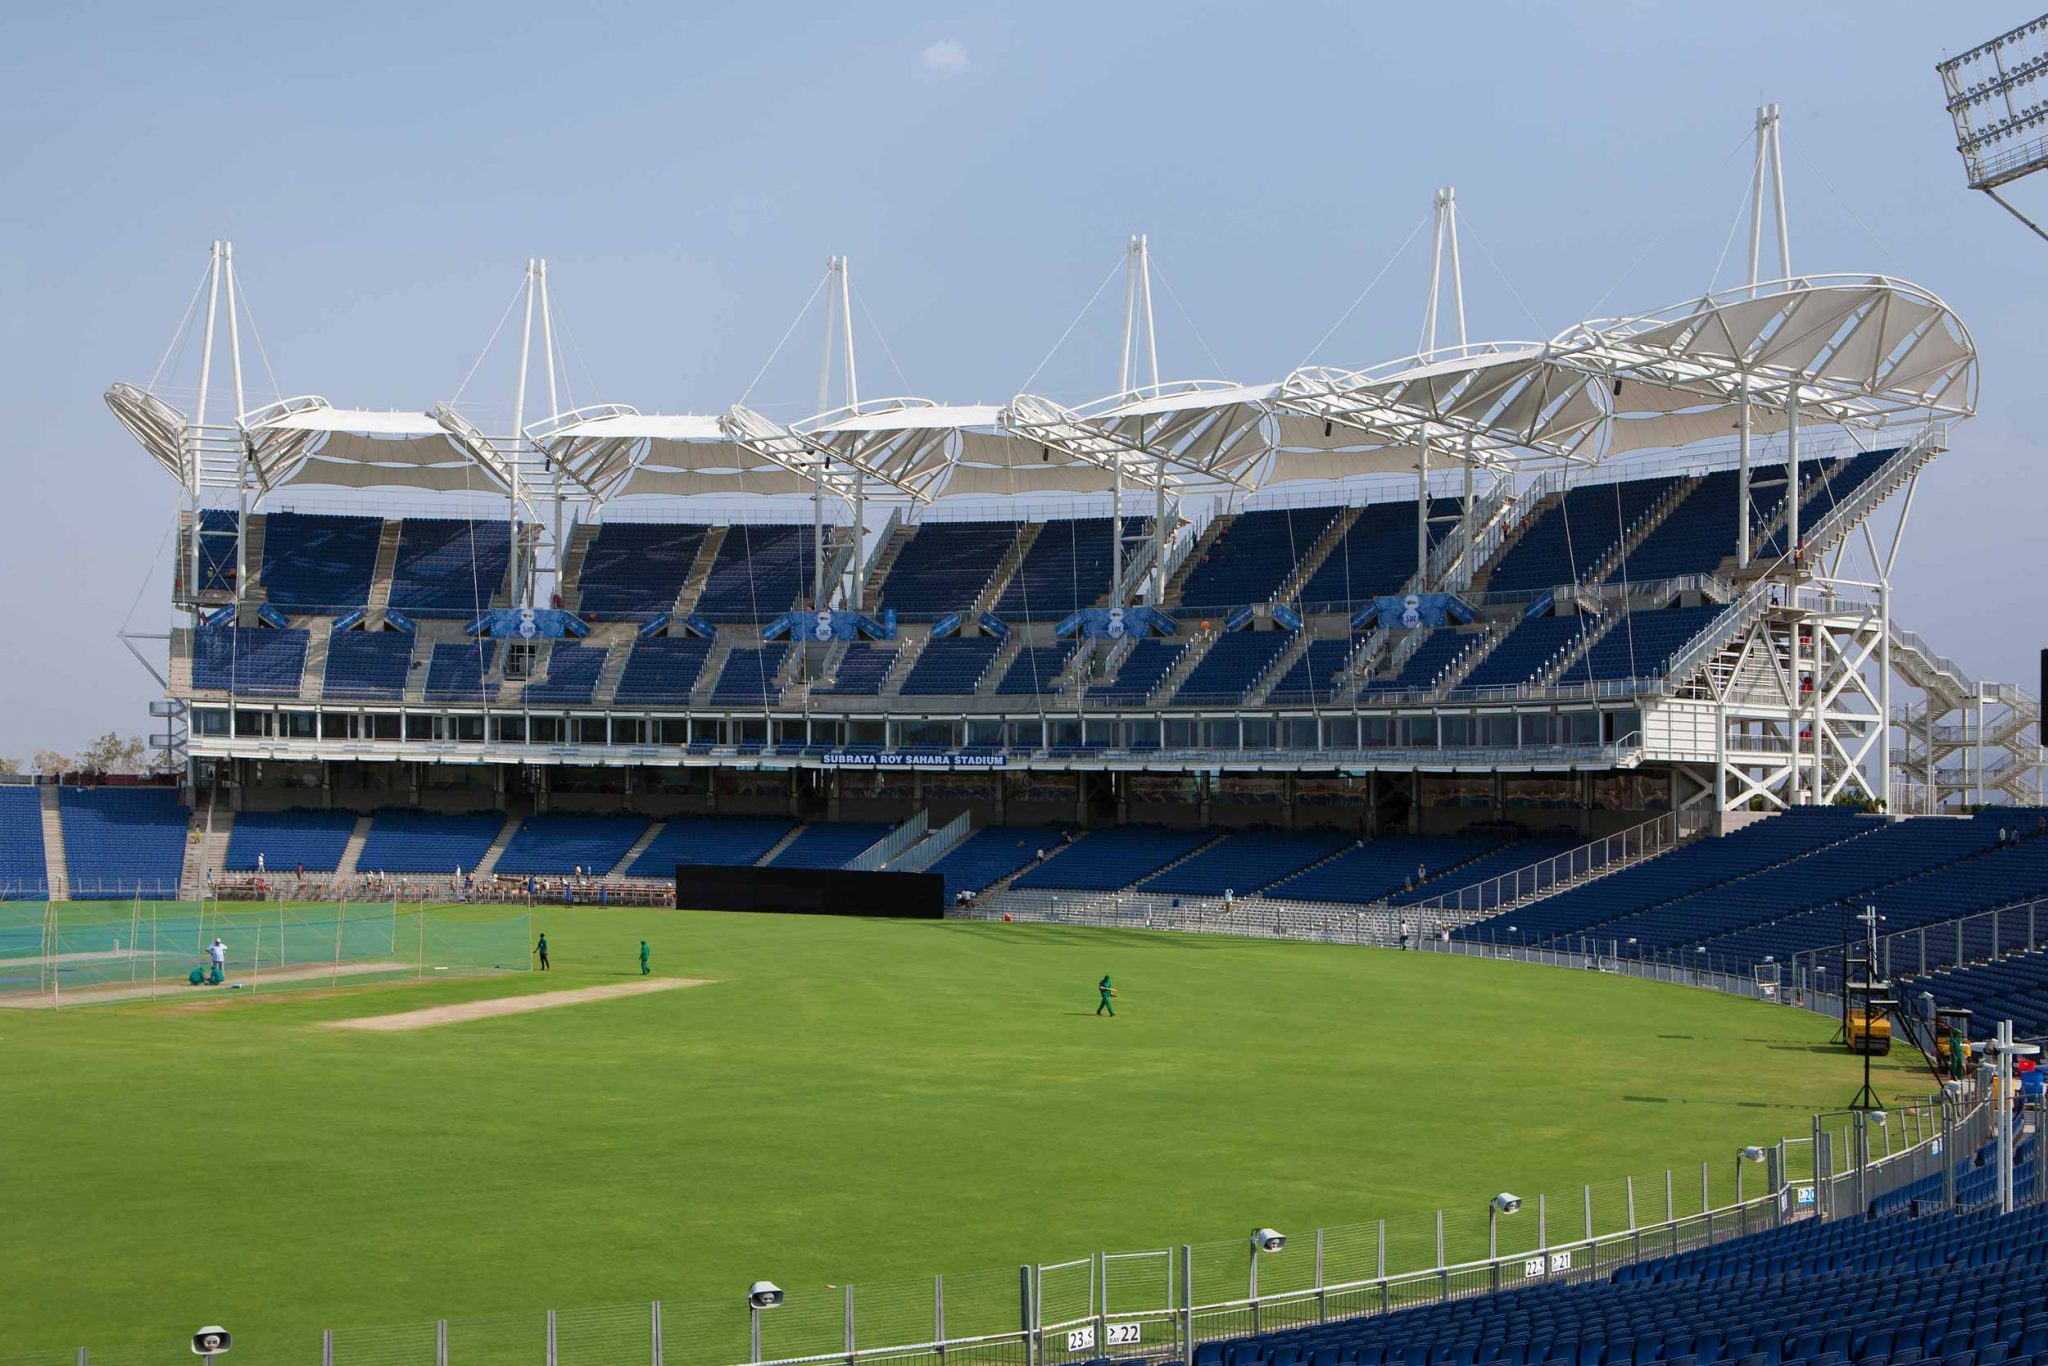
776 848
497 849
56 867
387 565
632 855
352 852
700 573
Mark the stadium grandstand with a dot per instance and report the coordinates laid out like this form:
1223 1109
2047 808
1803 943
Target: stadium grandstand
1413 645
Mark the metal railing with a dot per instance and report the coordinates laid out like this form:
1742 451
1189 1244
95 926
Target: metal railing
897 841
1603 855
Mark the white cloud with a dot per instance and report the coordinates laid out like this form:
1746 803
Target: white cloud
946 55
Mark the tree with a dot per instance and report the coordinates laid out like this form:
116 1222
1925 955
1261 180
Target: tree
112 754
51 762
10 768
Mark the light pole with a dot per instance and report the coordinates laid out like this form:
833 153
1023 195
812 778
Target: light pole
760 1295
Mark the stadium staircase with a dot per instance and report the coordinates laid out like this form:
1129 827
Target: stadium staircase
386 568
1639 530
489 861
878 567
714 665
1002 884
319 635
774 850
1515 520
571 579
254 593
908 648
206 846
617 651
1951 692
1197 551
632 855
1190 656
55 861
1886 480
352 852
1332 537
1006 655
1006 568
1581 645
700 573
1287 659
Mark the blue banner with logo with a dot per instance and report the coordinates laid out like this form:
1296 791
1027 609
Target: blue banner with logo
913 758
1115 623
1419 611
828 626
528 623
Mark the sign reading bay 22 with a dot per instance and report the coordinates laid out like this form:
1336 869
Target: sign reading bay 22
890 758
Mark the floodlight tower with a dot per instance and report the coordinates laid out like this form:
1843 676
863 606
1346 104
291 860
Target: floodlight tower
2001 114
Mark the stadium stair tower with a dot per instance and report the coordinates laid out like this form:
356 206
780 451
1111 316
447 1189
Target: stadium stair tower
352 852
55 861
1960 727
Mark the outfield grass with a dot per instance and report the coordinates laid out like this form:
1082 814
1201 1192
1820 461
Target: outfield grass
845 1101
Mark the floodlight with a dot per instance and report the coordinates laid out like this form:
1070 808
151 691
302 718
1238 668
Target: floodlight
211 1341
764 1295
1505 1203
1268 1240
1881 1117
1751 1154
1997 116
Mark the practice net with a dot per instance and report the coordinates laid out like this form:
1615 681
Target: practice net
74 953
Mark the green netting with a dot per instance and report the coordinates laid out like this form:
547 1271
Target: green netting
80 952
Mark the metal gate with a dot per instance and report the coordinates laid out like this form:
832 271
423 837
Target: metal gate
1139 1310
1066 1317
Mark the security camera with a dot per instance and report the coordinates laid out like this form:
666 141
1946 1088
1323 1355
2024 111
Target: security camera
1751 1154
1881 1117
764 1295
212 1341
1268 1239
1506 1204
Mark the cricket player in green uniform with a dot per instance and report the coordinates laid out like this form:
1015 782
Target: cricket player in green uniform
644 969
1108 989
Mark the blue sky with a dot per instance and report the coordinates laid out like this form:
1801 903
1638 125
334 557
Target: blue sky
384 172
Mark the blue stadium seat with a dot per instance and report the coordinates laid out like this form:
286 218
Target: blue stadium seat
317 563
1376 556
428 841
123 841
749 675
23 871
1104 860
636 570
992 854
862 670
1376 869
1312 678
449 567
455 672
1247 862
829 844
572 675
557 843
720 841
1066 569
951 666
663 669
759 573
250 661
945 567
288 841
1231 665
1251 559
1143 669
368 665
